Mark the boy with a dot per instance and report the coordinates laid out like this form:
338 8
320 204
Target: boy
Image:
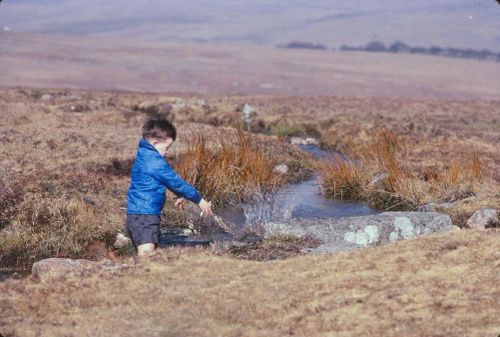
151 176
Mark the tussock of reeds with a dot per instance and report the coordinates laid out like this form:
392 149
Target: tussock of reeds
229 168
457 182
342 179
380 177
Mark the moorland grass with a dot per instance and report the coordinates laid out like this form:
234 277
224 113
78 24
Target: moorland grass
380 177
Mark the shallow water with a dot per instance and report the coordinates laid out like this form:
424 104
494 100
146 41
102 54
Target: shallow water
301 200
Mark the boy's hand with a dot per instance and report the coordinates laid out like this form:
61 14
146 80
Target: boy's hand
179 204
206 207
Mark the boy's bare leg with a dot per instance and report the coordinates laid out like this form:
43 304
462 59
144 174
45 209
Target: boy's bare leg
145 249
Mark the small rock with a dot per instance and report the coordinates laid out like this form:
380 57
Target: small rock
282 168
201 102
378 181
187 231
179 104
434 207
108 265
121 241
297 141
17 276
311 141
46 97
247 109
53 267
482 218
71 97
430 207
248 113
89 200
79 108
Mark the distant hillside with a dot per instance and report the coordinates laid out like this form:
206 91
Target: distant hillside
46 60
448 23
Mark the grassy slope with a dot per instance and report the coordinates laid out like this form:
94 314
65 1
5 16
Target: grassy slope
434 286
440 285
45 60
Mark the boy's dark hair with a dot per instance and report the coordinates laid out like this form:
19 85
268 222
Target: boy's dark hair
159 128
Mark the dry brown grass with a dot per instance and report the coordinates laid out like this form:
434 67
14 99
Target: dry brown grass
379 155
64 176
459 180
52 151
383 155
231 167
342 179
64 172
56 214
438 285
46 227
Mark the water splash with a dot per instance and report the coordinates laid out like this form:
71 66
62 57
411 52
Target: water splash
273 206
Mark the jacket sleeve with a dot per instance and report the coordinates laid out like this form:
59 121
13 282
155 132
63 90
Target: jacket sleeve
162 171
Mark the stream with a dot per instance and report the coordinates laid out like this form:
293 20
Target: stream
298 200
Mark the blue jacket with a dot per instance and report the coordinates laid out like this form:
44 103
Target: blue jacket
151 176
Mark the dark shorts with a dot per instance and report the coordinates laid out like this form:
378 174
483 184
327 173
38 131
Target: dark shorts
143 228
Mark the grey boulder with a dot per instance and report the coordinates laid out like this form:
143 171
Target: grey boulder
53 267
482 218
351 233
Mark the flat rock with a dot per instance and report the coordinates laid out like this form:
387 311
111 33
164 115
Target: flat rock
282 168
297 141
52 267
248 110
483 217
311 141
351 233
122 241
